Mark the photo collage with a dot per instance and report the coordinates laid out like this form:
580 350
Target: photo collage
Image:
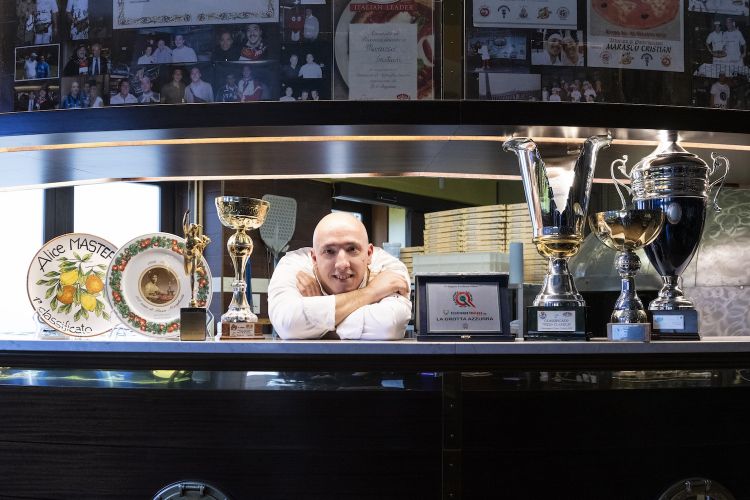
80 53
71 54
671 52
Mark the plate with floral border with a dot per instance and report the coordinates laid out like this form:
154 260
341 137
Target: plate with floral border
147 284
66 284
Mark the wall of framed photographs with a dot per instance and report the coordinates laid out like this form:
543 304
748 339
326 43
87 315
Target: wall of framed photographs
669 52
69 54
61 54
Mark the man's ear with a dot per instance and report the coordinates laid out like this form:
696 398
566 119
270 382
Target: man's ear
370 250
312 254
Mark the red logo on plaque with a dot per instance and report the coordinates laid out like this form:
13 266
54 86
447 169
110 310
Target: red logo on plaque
463 299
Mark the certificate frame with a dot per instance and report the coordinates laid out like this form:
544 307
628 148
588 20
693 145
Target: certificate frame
495 283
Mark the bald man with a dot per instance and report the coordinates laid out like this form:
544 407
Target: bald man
343 287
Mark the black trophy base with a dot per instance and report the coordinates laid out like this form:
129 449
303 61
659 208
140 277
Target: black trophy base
193 323
556 323
681 324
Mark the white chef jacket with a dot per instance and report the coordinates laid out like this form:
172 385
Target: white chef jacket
297 317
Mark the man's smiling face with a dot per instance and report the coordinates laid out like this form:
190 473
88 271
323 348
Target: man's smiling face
341 253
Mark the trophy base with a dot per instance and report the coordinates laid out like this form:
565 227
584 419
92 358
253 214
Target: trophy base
241 331
193 323
556 323
681 324
629 332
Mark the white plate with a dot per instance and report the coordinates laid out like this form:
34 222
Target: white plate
66 284
147 284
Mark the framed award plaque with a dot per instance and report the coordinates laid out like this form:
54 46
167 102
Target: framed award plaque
463 307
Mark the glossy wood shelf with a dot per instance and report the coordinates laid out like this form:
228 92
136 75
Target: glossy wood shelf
335 139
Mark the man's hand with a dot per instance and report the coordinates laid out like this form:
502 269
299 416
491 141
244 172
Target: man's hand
308 285
387 283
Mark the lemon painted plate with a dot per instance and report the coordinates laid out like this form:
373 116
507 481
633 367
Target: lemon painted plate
66 284
147 285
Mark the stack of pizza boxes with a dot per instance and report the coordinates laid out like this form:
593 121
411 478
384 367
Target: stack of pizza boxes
488 228
407 257
518 229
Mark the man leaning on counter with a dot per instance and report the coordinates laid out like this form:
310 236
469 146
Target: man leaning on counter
343 287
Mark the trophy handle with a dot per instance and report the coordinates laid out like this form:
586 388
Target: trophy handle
622 168
720 181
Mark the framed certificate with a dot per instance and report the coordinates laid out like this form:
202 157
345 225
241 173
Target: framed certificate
463 307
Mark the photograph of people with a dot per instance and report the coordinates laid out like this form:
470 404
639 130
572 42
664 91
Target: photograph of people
37 62
198 90
715 43
45 21
77 13
310 69
484 53
98 64
311 27
226 50
95 100
162 54
291 71
288 94
78 64
25 30
46 99
571 50
42 68
74 99
343 287
720 92
230 91
734 44
29 102
148 96
182 53
159 290
123 95
250 88
29 67
550 53
254 48
174 91
150 288
148 56
294 23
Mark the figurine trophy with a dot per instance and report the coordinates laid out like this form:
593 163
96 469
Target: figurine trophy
241 214
679 184
557 194
193 318
627 230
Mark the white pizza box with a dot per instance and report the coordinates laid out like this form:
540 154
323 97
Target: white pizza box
460 262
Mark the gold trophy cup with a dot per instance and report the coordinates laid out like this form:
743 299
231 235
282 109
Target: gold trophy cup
193 318
241 214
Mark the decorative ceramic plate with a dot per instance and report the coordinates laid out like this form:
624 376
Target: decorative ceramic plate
147 284
66 284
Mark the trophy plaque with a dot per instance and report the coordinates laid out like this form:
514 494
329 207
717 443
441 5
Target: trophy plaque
626 231
241 214
193 319
557 194
679 184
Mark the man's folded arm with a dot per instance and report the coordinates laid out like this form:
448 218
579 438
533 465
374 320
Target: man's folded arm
384 320
292 315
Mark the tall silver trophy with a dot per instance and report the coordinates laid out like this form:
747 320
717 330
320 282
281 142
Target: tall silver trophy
679 184
557 194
